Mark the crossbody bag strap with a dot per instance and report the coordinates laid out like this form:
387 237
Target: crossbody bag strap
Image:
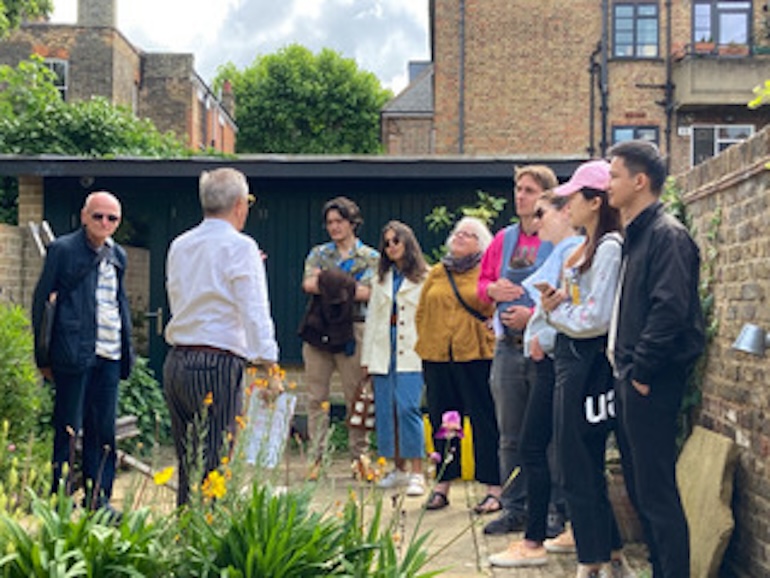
467 307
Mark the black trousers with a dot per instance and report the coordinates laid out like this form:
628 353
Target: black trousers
647 429
538 453
583 422
464 387
188 378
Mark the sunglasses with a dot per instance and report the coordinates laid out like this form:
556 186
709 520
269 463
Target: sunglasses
539 212
392 242
100 216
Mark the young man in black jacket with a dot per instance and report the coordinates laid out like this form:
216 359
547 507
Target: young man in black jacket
656 335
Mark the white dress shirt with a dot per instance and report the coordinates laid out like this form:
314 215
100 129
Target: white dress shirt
217 292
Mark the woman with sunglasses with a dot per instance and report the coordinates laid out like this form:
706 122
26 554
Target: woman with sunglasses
580 310
554 226
388 354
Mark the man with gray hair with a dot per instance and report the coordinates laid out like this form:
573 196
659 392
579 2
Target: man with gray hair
217 293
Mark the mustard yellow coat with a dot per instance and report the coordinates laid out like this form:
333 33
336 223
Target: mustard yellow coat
444 325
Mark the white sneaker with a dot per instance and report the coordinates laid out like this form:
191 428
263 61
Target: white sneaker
416 485
394 479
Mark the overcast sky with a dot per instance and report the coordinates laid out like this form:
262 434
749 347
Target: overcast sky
381 35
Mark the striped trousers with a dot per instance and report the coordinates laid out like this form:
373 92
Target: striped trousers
189 376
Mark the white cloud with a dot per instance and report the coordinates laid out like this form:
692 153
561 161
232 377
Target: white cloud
381 35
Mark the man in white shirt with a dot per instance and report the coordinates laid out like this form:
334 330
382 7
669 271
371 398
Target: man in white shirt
217 292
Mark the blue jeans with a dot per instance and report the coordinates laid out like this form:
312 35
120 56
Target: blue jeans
87 400
398 420
511 377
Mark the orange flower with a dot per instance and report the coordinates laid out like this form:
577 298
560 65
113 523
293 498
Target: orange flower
241 421
209 399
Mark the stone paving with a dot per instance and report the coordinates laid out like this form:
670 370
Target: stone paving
456 543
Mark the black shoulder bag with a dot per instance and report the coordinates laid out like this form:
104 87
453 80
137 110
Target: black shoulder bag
467 307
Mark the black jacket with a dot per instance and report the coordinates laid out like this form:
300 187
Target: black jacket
660 322
71 270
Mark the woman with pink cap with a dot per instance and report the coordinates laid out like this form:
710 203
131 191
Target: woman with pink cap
580 310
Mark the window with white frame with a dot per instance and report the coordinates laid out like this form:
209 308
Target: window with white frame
60 68
722 21
710 140
635 29
624 133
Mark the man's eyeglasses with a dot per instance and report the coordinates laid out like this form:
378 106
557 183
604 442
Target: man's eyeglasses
100 216
251 200
392 242
466 234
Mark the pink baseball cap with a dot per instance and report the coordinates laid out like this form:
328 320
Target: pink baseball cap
593 174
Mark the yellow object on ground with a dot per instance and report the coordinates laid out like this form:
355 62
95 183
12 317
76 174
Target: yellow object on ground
467 464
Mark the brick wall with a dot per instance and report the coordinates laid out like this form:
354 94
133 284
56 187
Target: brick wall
733 191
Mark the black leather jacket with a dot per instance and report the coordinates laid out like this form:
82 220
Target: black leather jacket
71 270
660 323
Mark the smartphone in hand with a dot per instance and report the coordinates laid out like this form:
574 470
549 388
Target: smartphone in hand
544 287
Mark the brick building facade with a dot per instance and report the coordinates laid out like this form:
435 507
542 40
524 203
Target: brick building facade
516 77
93 58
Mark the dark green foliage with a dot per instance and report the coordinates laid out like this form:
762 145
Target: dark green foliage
294 101
141 395
21 395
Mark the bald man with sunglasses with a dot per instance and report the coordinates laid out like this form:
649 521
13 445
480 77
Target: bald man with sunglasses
90 346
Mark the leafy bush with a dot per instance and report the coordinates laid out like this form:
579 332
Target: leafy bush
142 396
21 396
68 543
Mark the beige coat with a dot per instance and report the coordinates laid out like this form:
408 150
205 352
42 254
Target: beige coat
375 353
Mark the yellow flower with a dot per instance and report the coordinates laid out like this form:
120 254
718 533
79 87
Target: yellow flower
382 462
225 460
292 385
325 405
209 518
239 419
251 371
209 399
261 383
214 486
162 477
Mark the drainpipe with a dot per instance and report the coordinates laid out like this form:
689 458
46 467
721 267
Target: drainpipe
604 91
593 71
461 84
669 94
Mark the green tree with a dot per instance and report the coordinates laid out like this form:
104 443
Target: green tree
294 101
35 120
12 12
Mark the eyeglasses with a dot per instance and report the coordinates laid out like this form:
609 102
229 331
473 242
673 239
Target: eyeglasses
466 234
392 242
251 200
100 216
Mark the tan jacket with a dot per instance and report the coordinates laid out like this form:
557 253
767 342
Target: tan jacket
443 324
375 353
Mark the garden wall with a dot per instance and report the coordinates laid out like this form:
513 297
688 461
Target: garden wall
728 199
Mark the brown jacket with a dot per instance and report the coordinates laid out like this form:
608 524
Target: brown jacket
444 325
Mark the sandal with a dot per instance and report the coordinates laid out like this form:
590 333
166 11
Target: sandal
489 504
437 501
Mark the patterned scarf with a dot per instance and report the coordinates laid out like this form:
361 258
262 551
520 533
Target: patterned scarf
461 264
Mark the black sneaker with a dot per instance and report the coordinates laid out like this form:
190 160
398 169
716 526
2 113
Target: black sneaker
109 515
555 524
506 523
